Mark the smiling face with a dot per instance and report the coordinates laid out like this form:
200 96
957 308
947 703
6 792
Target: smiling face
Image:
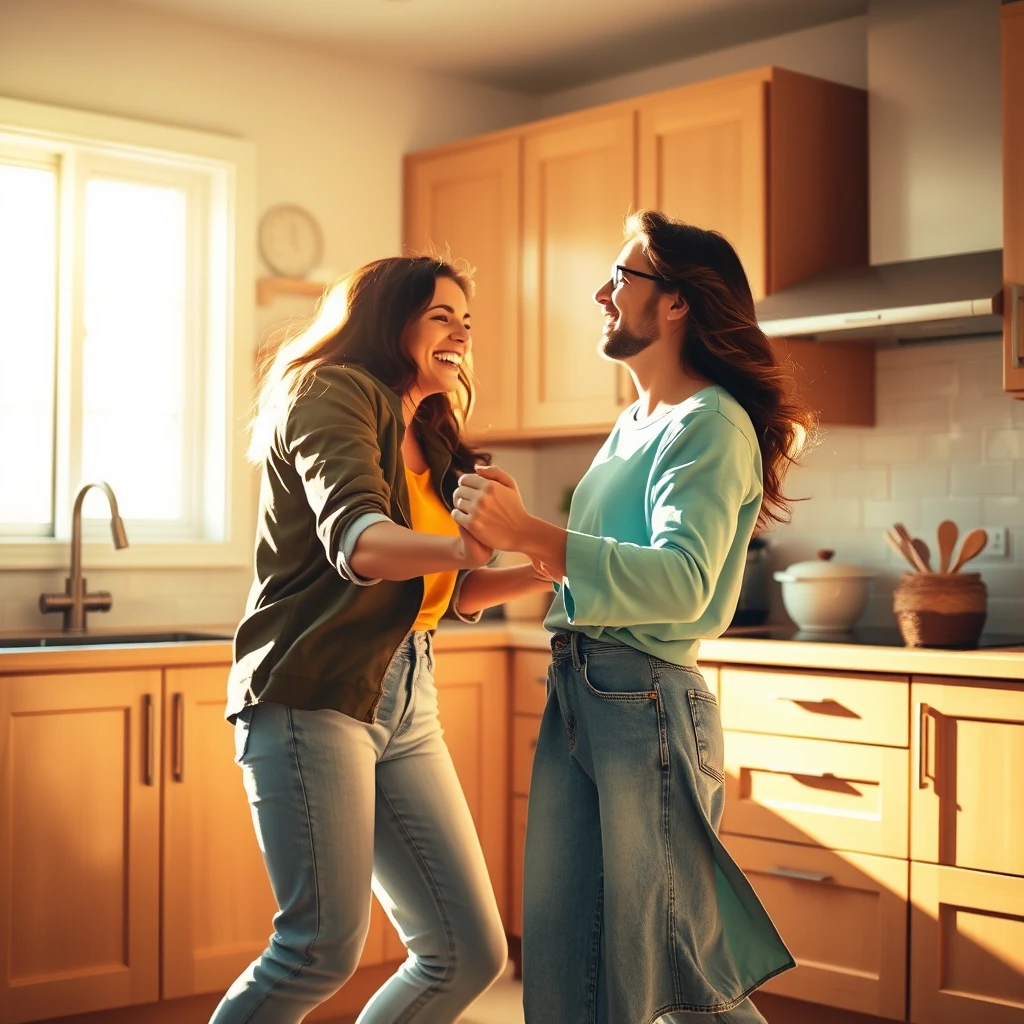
438 340
630 306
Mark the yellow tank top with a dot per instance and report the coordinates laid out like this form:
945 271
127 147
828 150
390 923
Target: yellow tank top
429 515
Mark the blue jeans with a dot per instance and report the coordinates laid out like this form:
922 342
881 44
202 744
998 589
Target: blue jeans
633 911
336 801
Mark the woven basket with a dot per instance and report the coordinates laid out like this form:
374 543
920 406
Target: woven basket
935 610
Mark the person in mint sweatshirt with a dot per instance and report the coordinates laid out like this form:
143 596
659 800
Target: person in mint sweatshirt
633 910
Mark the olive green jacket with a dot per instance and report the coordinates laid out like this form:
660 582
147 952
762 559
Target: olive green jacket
315 635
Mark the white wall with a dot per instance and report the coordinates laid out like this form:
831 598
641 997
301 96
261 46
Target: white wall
935 139
330 134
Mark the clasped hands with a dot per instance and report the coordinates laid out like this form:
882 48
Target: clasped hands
488 505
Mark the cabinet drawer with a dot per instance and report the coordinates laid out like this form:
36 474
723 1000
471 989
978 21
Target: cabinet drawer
966 946
842 796
518 847
826 706
530 671
844 918
524 743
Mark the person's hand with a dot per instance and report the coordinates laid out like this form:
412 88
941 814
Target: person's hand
489 505
472 553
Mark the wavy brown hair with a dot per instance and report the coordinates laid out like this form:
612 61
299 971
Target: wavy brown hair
723 344
360 322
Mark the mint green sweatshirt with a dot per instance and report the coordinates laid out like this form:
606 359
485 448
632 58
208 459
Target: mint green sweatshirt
659 527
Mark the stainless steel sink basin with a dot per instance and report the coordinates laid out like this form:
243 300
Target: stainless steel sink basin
108 640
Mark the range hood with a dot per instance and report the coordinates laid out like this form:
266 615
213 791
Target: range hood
913 301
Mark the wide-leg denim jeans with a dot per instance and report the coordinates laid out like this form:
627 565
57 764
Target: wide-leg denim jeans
633 910
337 803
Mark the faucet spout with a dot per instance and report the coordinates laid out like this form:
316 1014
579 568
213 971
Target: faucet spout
76 601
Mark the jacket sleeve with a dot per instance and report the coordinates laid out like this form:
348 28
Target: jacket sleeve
330 436
698 485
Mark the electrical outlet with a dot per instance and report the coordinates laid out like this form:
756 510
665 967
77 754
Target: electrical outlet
997 542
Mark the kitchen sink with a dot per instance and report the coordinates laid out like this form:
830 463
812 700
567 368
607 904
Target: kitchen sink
108 639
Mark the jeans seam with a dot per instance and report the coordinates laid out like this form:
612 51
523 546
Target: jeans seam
595 950
316 881
421 1000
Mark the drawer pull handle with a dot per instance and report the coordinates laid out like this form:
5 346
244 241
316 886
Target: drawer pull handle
149 728
800 876
826 705
178 742
923 712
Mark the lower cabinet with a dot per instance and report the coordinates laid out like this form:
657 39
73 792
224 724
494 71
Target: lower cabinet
79 842
966 946
844 918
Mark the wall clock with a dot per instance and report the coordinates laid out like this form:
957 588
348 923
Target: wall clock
290 240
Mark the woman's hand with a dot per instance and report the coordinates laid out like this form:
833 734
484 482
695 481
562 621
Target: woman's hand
472 553
489 505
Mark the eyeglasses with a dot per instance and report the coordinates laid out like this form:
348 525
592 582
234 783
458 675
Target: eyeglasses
618 270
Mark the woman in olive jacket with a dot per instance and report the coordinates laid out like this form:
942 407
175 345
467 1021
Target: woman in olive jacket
359 434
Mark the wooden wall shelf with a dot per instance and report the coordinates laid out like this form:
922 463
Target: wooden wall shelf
270 288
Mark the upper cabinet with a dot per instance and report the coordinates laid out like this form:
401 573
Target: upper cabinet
774 160
1013 196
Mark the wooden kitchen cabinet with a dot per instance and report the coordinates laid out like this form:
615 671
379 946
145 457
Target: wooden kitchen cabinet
468 202
578 184
843 917
966 946
79 860
1012 29
968 760
473 700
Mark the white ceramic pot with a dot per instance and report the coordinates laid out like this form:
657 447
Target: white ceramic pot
822 596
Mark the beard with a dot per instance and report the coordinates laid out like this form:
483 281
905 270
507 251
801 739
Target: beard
625 342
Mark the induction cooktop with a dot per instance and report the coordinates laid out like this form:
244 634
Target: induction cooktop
867 636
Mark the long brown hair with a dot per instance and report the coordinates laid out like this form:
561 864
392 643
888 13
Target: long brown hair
724 345
360 322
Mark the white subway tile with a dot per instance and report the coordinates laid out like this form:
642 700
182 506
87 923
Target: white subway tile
917 414
882 514
1004 444
863 483
890 448
965 512
980 478
992 413
1019 473
936 380
827 513
805 482
1018 412
922 481
982 377
1003 512
956 447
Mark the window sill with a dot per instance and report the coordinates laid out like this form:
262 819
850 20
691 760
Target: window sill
48 553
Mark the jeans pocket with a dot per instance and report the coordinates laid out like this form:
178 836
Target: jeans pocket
618 676
243 729
707 728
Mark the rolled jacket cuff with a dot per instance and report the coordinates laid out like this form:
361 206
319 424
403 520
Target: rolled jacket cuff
348 545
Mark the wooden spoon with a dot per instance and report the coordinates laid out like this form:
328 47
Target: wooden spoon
947 534
973 544
897 545
925 554
911 552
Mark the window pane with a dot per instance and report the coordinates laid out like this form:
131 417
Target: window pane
28 299
136 347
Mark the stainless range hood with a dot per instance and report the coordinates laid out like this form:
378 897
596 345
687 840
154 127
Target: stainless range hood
915 301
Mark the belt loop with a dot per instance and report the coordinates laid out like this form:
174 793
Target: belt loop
574 646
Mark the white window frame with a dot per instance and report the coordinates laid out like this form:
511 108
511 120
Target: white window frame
225 168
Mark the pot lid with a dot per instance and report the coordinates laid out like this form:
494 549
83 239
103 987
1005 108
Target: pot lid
823 568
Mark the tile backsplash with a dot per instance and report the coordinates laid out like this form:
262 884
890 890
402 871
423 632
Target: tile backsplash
948 444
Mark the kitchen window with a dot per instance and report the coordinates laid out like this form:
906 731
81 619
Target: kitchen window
125 292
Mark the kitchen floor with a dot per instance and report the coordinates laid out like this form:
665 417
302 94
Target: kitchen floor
502 1003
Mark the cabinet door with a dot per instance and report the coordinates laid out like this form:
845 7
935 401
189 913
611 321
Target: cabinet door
468 201
966 946
577 188
703 159
79 860
1013 195
217 901
968 760
844 918
473 698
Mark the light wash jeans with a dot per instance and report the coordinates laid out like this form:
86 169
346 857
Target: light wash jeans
633 910
334 801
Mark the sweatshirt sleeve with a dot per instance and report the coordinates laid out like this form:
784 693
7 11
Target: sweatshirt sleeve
699 483
330 436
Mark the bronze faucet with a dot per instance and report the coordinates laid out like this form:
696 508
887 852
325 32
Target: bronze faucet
76 601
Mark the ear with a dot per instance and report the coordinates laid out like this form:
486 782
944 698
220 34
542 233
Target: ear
679 309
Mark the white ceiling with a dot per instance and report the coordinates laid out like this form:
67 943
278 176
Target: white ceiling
534 46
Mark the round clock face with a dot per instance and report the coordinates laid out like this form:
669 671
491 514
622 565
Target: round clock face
290 240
